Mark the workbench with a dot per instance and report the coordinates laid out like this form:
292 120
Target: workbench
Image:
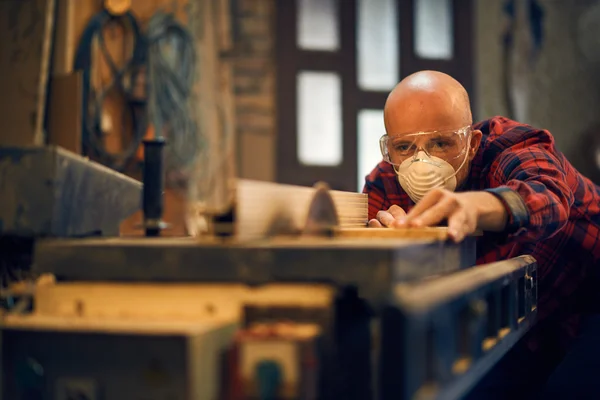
372 265
401 318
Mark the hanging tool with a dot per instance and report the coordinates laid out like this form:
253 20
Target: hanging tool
124 80
117 7
153 202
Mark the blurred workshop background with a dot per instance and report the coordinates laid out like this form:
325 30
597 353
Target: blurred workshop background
302 83
284 91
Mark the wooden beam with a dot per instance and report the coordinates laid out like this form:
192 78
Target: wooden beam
212 183
436 233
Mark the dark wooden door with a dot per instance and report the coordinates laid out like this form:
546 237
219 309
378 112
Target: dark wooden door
337 61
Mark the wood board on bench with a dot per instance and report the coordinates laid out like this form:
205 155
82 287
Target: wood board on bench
261 205
435 233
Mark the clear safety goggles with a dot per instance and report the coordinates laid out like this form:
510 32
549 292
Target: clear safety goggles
447 145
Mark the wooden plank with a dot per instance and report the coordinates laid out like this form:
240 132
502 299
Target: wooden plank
44 74
212 184
64 112
260 205
368 264
64 37
205 360
149 326
437 233
223 17
170 301
26 28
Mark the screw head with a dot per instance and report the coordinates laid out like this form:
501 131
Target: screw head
478 307
528 282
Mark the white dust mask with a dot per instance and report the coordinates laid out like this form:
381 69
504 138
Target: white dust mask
418 175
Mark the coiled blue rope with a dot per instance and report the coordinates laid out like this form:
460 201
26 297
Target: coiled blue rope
167 51
171 72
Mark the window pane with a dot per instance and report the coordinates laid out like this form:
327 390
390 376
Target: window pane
434 36
377 48
319 118
318 25
370 129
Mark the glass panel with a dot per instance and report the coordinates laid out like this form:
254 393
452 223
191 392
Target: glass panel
378 52
370 129
317 26
434 36
319 114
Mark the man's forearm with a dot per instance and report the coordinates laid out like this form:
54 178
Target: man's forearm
491 212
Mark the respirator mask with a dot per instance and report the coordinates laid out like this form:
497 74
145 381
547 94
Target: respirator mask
422 160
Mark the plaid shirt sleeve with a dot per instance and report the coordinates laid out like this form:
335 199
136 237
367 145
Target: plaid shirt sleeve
374 187
528 175
384 190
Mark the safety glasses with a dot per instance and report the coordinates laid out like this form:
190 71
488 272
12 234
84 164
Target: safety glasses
445 144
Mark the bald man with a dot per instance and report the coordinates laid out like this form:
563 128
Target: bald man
509 180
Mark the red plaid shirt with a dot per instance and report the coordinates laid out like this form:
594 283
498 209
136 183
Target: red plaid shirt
555 218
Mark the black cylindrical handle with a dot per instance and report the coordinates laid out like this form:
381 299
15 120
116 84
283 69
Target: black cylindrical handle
153 185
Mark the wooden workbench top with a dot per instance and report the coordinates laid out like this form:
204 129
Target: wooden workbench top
435 233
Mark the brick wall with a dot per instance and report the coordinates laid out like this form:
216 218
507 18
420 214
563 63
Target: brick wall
254 77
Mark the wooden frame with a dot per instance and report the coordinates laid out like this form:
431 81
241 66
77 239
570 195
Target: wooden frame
290 61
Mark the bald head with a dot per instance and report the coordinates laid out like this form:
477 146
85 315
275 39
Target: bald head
427 101
432 101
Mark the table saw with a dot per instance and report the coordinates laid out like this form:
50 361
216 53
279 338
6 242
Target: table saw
294 299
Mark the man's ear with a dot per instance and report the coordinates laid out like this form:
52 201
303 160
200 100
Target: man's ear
475 142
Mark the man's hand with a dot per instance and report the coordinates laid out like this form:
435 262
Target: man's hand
389 218
465 212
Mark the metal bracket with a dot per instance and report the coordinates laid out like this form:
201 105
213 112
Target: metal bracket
463 323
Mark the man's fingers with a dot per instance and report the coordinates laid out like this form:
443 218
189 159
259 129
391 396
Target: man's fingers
425 204
436 214
397 212
461 224
374 224
385 218
458 226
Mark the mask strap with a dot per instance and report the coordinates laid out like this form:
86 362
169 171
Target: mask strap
459 168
